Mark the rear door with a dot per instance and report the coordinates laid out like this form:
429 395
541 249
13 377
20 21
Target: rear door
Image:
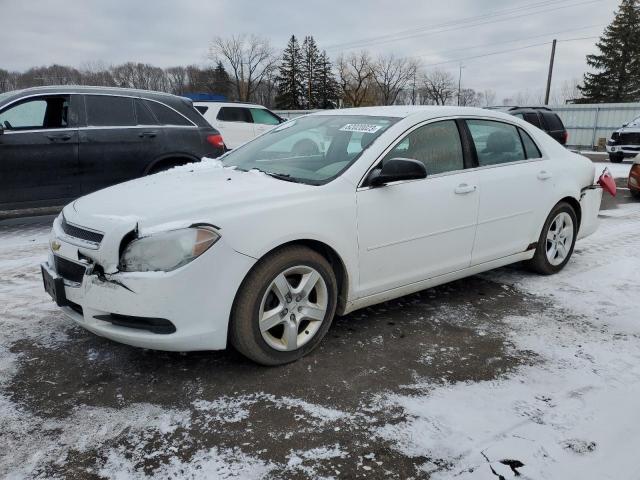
39 152
112 147
516 189
263 120
235 125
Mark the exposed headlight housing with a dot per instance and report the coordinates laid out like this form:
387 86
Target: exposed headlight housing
167 251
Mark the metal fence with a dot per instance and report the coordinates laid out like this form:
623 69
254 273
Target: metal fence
587 124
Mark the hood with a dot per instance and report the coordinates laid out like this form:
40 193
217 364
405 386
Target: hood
191 193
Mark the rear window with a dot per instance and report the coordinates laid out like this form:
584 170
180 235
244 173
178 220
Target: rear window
109 111
165 115
532 118
530 148
234 114
553 121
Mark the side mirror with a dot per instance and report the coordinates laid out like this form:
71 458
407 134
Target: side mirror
397 169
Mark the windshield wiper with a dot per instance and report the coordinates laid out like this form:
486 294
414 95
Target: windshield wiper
280 176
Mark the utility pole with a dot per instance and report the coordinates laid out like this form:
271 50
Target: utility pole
459 83
553 56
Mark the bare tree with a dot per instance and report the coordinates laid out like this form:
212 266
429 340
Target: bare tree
487 97
469 98
355 76
97 74
391 75
8 80
177 80
139 75
250 60
438 87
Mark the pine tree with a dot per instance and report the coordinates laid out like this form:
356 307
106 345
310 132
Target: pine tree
617 77
327 86
290 77
311 69
221 80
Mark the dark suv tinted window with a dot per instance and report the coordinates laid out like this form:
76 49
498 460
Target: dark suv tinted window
165 115
532 118
234 114
143 114
109 111
552 120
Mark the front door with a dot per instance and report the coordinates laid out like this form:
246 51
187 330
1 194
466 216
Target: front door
39 152
416 230
235 125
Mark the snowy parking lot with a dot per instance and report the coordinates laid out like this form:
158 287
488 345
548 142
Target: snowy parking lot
502 374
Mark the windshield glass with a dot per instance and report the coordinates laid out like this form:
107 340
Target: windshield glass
313 149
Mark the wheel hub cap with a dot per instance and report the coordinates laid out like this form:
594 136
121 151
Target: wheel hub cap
559 238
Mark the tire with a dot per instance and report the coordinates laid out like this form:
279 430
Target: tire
616 157
635 194
542 262
296 328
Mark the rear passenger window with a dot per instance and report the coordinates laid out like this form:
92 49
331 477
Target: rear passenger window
532 118
496 143
143 114
530 148
234 114
437 145
265 117
165 115
553 121
109 111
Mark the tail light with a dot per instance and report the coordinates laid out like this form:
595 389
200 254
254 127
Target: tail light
565 137
634 177
216 140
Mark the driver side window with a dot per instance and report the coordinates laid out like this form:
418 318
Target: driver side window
437 145
37 113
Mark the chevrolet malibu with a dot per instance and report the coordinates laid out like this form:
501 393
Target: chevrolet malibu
262 247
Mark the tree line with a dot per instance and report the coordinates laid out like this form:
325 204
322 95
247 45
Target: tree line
248 68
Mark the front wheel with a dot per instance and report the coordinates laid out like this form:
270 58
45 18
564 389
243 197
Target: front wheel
556 241
284 307
616 157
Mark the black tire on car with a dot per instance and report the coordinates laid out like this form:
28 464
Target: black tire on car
616 157
635 194
293 334
544 261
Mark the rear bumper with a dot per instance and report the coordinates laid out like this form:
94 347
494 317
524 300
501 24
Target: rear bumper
589 207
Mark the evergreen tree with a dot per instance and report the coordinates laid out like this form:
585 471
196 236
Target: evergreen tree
221 81
327 89
617 77
311 68
290 77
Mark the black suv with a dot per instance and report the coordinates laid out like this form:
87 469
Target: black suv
58 143
544 118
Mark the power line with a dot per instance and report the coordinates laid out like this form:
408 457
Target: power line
508 51
505 42
459 24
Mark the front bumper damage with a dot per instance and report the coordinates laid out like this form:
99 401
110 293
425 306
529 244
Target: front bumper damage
183 310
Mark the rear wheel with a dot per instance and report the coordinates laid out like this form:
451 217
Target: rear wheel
284 307
556 241
616 157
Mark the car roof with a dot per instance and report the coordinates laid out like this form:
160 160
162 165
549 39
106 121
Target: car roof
423 111
86 89
224 103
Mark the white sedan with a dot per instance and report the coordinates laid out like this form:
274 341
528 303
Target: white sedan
264 247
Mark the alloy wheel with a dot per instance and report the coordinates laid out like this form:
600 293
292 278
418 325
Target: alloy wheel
559 238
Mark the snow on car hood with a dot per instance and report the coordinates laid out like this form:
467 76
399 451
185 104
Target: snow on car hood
180 195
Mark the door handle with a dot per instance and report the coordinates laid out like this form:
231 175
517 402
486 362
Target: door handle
63 137
149 134
544 175
463 189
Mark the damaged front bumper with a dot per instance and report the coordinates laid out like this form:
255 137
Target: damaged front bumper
182 310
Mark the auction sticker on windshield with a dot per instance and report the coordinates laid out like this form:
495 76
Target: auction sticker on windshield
360 128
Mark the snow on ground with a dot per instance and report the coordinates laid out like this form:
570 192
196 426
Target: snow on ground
575 415
618 170
571 411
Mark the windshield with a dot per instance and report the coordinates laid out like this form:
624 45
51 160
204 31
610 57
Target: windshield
313 149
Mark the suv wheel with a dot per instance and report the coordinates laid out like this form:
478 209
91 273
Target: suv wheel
616 157
284 307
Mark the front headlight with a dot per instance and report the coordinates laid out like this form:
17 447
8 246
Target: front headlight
167 251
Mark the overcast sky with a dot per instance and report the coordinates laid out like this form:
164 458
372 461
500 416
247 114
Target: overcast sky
169 32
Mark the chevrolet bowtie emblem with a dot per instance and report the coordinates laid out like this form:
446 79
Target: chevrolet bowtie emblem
55 246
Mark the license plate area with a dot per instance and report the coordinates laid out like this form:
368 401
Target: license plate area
54 286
